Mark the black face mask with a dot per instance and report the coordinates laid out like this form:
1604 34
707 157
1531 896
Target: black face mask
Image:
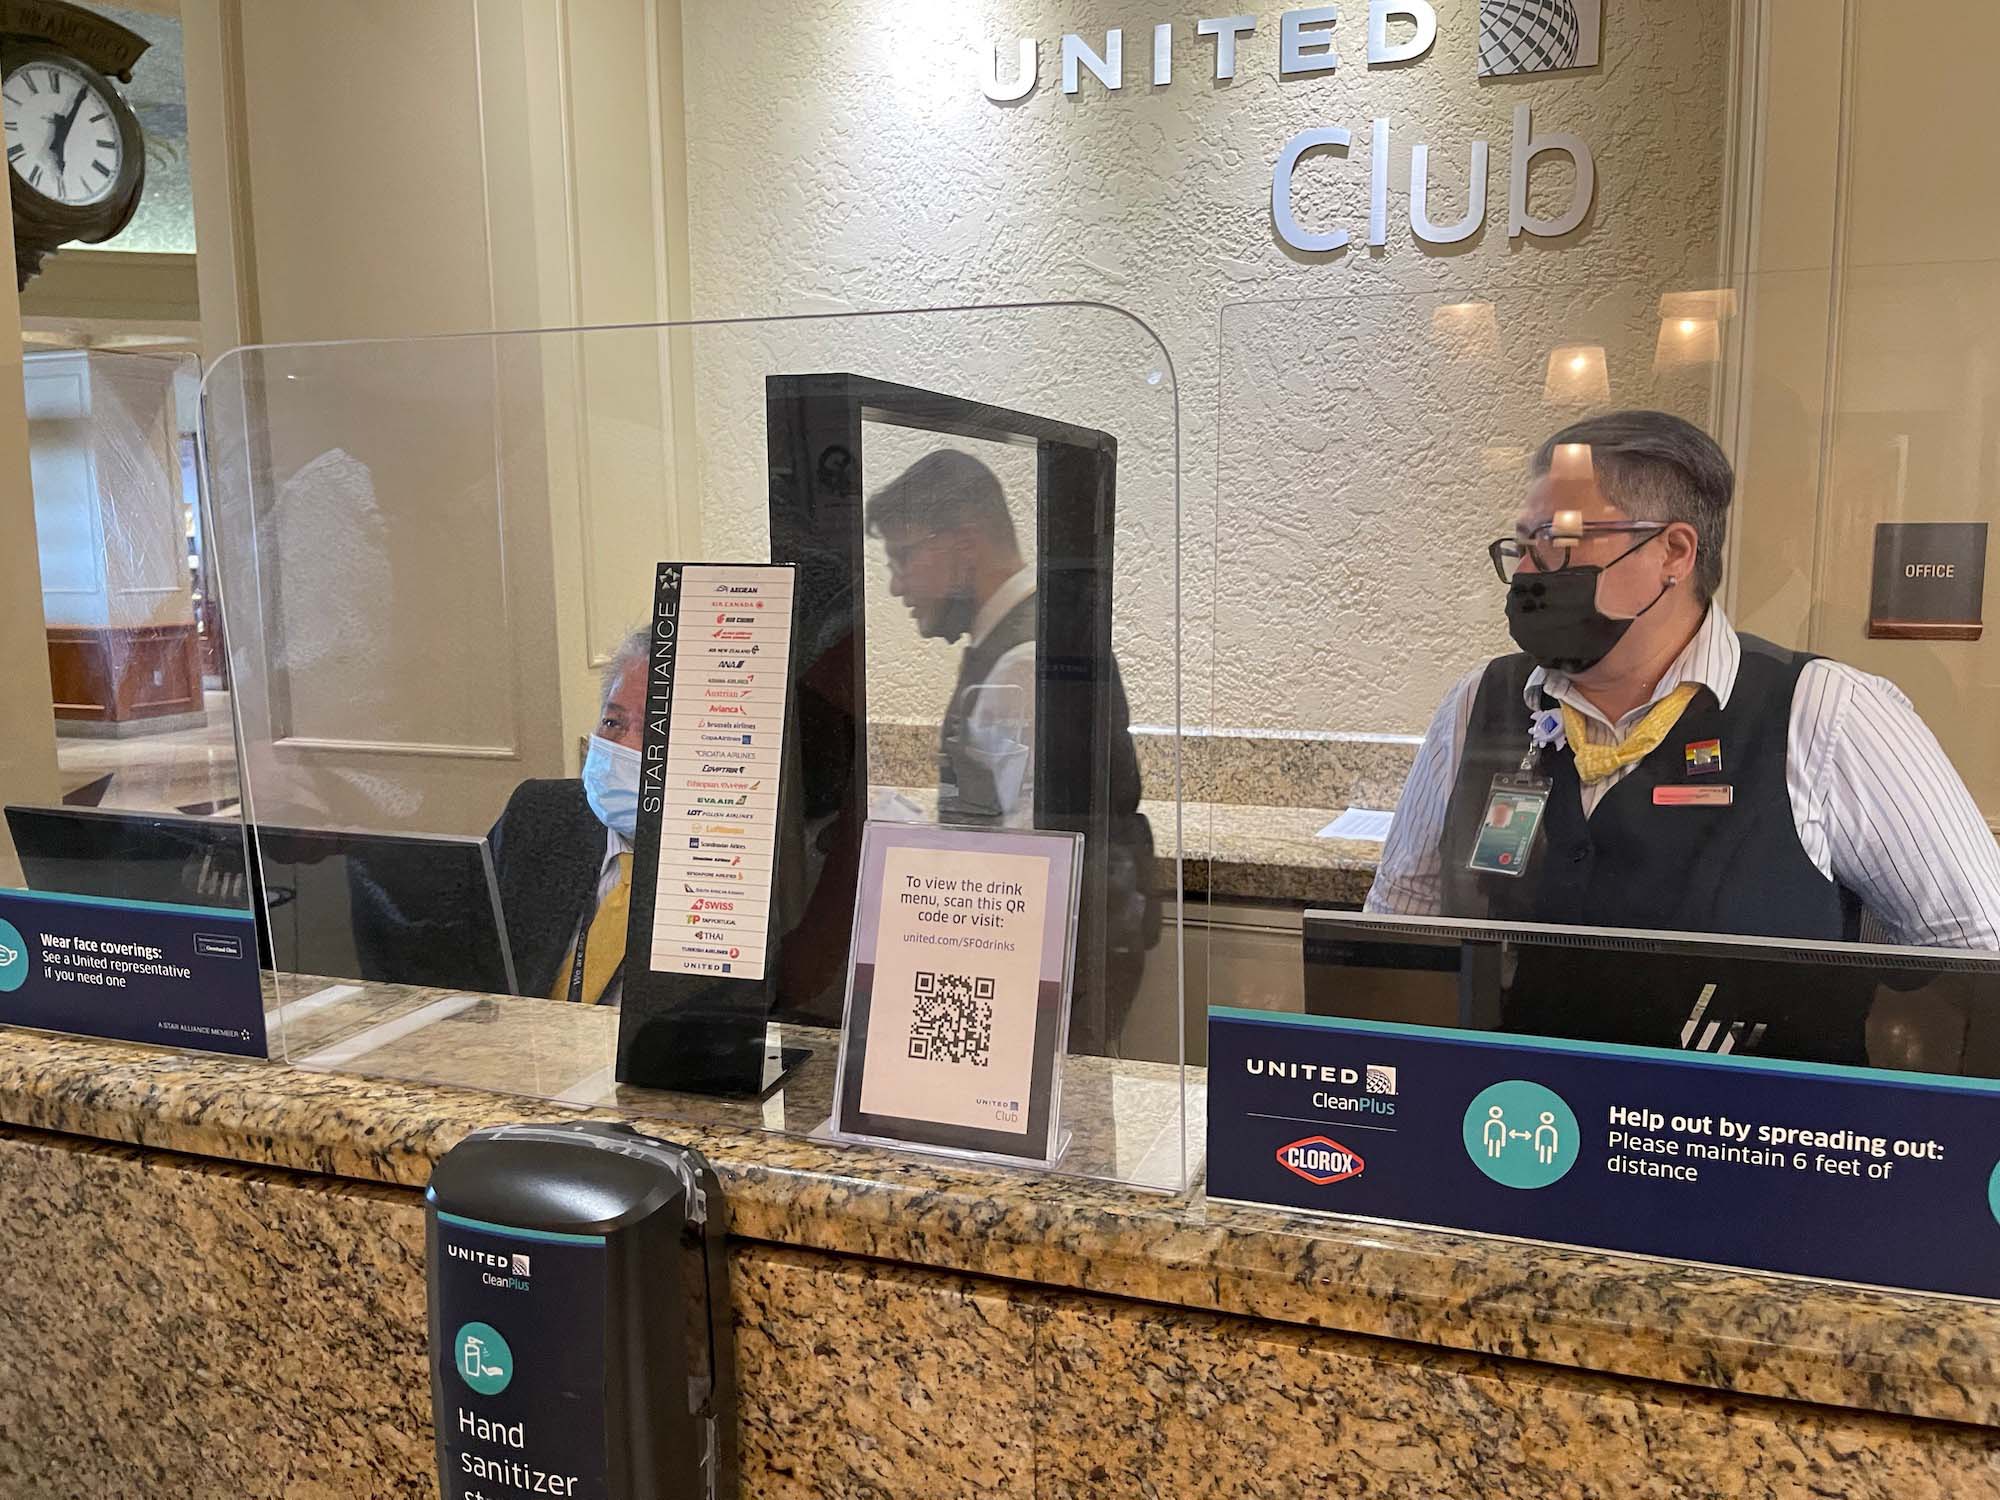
1555 619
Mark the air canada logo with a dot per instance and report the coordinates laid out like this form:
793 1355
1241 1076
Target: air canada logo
1320 1160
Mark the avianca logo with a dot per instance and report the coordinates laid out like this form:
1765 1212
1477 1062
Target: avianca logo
1320 1160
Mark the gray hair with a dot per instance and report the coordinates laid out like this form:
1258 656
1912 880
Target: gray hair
1658 467
635 649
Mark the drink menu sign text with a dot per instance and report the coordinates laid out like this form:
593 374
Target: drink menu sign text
716 699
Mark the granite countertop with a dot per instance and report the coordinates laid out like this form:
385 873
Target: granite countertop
1732 1330
1241 851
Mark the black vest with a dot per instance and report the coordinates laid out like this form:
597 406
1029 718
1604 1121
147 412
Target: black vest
1737 869
1015 628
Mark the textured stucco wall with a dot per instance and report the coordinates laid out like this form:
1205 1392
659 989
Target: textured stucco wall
842 156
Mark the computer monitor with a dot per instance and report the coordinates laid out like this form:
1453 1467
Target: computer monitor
419 909
1913 1009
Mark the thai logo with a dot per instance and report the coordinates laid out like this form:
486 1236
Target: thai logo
1320 1160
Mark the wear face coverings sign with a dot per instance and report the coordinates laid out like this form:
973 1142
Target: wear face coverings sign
1810 1169
134 971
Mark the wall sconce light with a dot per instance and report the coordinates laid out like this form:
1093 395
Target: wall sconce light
1467 329
1691 328
1712 306
1577 376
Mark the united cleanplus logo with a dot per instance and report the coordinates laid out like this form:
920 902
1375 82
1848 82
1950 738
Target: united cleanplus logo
1320 1160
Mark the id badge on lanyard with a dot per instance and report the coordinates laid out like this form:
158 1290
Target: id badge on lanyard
1510 830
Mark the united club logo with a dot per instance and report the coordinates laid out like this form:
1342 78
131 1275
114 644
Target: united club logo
1321 1160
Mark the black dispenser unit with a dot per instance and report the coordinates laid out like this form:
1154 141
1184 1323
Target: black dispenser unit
579 1317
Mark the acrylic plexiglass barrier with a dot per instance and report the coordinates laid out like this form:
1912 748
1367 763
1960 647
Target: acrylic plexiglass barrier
432 550
132 803
1371 447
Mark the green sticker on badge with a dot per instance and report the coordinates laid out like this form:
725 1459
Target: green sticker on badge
1507 831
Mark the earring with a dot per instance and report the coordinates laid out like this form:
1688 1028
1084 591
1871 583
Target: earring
1672 582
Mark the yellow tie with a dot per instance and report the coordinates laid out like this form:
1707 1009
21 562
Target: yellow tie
1595 762
604 948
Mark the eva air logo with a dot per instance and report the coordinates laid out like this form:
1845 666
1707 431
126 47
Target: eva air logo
13 958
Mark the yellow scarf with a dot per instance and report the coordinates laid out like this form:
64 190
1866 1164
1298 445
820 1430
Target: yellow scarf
1595 762
606 935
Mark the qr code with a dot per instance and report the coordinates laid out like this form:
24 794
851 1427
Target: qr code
952 1020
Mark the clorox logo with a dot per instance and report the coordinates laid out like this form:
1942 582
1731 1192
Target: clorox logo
1320 1160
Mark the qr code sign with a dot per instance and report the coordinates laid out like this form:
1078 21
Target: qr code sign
952 1019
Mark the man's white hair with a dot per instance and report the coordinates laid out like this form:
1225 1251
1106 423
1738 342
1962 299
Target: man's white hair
634 650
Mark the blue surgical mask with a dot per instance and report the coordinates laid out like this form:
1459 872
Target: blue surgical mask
611 782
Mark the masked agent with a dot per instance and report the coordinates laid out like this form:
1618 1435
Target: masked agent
1640 764
955 562
563 851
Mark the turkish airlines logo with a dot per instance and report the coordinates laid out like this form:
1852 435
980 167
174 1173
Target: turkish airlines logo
1320 1160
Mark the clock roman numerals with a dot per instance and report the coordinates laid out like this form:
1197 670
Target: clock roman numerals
61 139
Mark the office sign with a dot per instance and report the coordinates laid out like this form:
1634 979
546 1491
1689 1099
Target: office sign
1810 1169
1930 581
133 971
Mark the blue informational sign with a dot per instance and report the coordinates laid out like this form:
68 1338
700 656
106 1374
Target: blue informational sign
1814 1170
134 971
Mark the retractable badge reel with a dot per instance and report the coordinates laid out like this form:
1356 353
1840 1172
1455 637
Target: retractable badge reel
1510 830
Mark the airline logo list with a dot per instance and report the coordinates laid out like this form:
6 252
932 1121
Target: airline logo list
724 752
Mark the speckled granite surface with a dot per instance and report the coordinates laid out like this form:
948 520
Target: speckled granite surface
1247 1410
1254 804
207 1331
1735 1331
1285 769
1240 851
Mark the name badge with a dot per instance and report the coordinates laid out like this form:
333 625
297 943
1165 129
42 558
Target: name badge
1506 841
1693 796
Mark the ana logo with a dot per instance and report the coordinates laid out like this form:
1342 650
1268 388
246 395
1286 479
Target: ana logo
1320 1160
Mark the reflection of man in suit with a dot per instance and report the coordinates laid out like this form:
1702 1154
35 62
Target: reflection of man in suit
563 851
955 561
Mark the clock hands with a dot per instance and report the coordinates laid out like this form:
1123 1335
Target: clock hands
63 127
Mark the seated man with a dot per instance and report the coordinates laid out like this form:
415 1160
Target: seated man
563 852
1640 764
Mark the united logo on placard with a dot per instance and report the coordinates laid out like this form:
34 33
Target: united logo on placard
1320 1160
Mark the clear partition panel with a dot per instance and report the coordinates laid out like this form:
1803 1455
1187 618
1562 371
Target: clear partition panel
123 865
435 556
1442 556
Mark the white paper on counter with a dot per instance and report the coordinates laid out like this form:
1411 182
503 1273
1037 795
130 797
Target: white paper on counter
1359 823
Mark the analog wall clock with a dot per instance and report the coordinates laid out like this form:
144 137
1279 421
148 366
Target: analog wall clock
76 157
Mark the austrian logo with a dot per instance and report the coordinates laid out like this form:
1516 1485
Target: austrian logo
1320 1160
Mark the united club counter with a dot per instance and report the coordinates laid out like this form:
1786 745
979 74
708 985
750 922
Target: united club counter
214 1271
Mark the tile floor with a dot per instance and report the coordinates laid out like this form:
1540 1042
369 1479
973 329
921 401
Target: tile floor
191 771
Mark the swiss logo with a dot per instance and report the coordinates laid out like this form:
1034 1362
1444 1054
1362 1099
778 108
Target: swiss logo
1320 1160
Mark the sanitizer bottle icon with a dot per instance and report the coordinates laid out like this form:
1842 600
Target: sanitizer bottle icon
484 1361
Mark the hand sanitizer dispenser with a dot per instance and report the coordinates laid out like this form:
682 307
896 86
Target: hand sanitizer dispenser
579 1317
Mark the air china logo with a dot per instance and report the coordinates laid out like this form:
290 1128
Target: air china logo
1320 1160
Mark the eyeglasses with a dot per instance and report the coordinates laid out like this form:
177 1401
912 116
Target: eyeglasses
1551 556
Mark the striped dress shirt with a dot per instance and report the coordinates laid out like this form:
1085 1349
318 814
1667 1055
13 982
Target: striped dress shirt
1876 801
